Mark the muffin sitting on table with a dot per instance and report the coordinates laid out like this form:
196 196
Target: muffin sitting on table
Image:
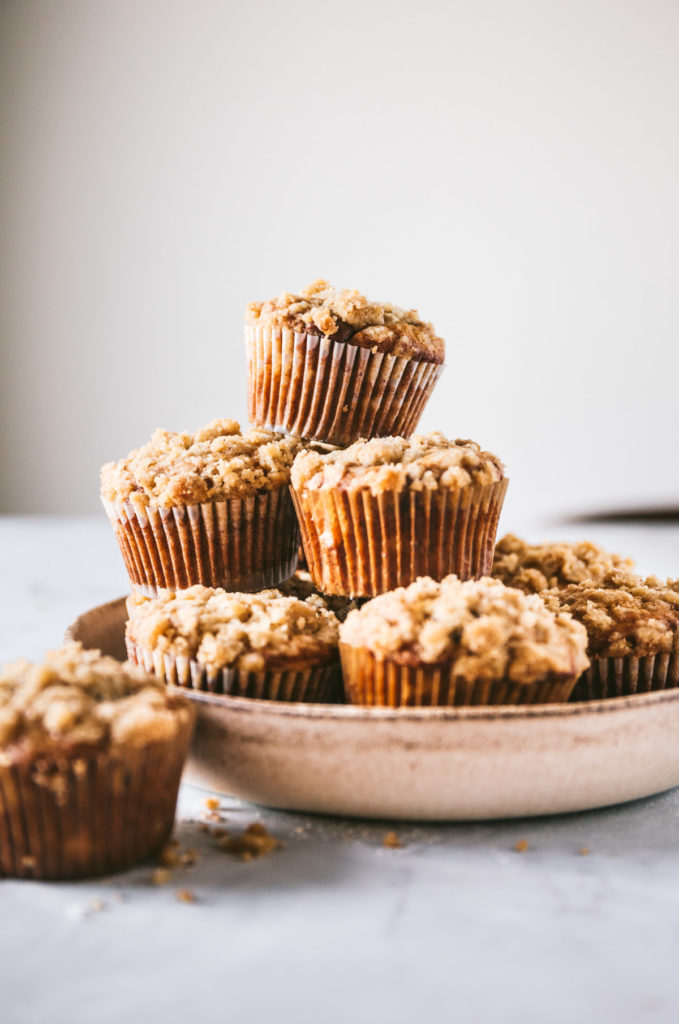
91 754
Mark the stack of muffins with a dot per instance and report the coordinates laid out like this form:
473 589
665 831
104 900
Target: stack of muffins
402 598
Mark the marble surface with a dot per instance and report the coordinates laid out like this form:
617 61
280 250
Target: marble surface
456 924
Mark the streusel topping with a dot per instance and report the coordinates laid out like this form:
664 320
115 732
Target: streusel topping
346 315
78 697
219 629
624 614
485 630
216 462
537 567
422 462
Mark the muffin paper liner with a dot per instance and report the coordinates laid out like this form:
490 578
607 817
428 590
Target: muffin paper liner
312 386
385 683
621 677
244 544
361 544
72 817
319 684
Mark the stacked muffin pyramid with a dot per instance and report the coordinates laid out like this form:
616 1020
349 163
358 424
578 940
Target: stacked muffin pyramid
398 531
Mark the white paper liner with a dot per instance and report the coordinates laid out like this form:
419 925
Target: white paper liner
311 684
385 683
332 391
361 544
243 544
622 677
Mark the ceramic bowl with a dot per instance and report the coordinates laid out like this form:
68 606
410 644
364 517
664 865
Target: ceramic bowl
426 764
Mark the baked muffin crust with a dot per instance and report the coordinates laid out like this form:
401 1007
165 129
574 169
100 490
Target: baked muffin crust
217 461
537 567
78 698
485 630
422 462
625 615
346 315
221 630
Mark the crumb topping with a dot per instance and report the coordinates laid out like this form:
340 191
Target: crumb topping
537 567
78 697
216 462
422 462
301 586
624 614
251 632
485 630
346 315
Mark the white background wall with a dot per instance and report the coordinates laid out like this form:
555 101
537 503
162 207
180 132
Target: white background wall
509 168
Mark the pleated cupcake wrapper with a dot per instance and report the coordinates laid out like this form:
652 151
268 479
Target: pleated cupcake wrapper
384 683
362 544
333 391
621 677
244 544
73 818
320 684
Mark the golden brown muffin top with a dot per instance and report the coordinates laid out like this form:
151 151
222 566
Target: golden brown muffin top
78 698
485 630
220 630
346 315
624 614
301 586
216 462
419 463
537 567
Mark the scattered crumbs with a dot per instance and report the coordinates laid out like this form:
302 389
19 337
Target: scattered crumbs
254 842
28 861
97 905
212 816
391 841
161 876
188 858
203 826
521 846
212 803
186 895
168 855
300 829
584 851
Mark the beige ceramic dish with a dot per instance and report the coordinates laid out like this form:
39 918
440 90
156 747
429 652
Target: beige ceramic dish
427 764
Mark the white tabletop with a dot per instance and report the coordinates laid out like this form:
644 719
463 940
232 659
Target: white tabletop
454 925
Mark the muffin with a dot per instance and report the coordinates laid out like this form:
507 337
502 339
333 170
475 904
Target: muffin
537 567
454 642
380 513
91 754
261 645
212 507
329 364
632 625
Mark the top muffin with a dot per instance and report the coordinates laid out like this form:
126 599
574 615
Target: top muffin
422 462
537 567
78 698
346 315
217 461
624 614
